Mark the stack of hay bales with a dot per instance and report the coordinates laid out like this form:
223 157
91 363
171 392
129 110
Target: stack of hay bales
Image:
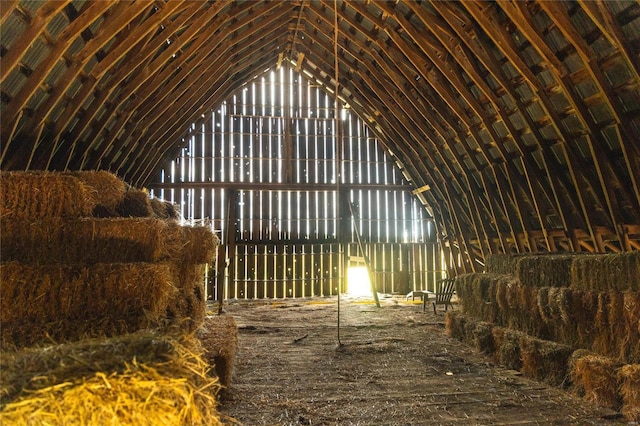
85 256
104 275
567 319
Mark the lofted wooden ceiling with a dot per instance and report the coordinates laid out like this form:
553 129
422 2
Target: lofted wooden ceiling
517 122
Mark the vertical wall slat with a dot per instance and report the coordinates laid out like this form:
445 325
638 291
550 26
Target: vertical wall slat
285 240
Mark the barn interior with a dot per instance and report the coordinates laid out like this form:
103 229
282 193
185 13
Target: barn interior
188 183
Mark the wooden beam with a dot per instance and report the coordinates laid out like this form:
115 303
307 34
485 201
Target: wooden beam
186 77
43 69
606 22
6 8
120 16
104 98
274 186
36 26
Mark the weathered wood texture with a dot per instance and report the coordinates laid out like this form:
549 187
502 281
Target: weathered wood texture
261 168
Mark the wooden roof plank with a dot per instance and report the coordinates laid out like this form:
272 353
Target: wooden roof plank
119 16
119 73
197 52
468 207
70 33
36 27
6 9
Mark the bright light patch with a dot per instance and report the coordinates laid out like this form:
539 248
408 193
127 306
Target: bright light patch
358 283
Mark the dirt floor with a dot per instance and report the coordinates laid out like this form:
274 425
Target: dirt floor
394 366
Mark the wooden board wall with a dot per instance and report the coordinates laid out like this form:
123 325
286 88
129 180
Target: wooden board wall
261 170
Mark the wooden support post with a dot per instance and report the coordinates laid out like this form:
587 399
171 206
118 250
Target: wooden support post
230 240
219 269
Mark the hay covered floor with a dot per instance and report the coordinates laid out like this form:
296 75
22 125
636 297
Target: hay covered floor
396 366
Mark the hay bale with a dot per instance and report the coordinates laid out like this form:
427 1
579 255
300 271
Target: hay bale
109 240
142 378
60 302
544 360
528 316
545 270
561 297
595 377
163 209
464 290
200 244
563 321
483 338
37 195
584 307
87 241
629 330
135 203
219 337
501 293
619 272
477 295
507 347
502 263
543 304
629 379
454 323
187 307
602 342
107 190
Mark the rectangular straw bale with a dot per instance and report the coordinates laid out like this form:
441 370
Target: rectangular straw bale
163 209
38 332
557 312
584 308
105 240
527 318
105 188
197 244
502 263
603 322
507 347
153 377
219 337
631 326
602 340
595 378
85 241
545 270
464 290
135 203
187 307
629 379
544 360
455 325
29 196
40 295
483 338
477 295
619 271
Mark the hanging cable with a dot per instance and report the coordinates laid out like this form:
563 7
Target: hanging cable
338 149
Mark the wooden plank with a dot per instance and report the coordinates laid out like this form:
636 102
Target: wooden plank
194 55
91 13
205 95
36 26
214 69
121 15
